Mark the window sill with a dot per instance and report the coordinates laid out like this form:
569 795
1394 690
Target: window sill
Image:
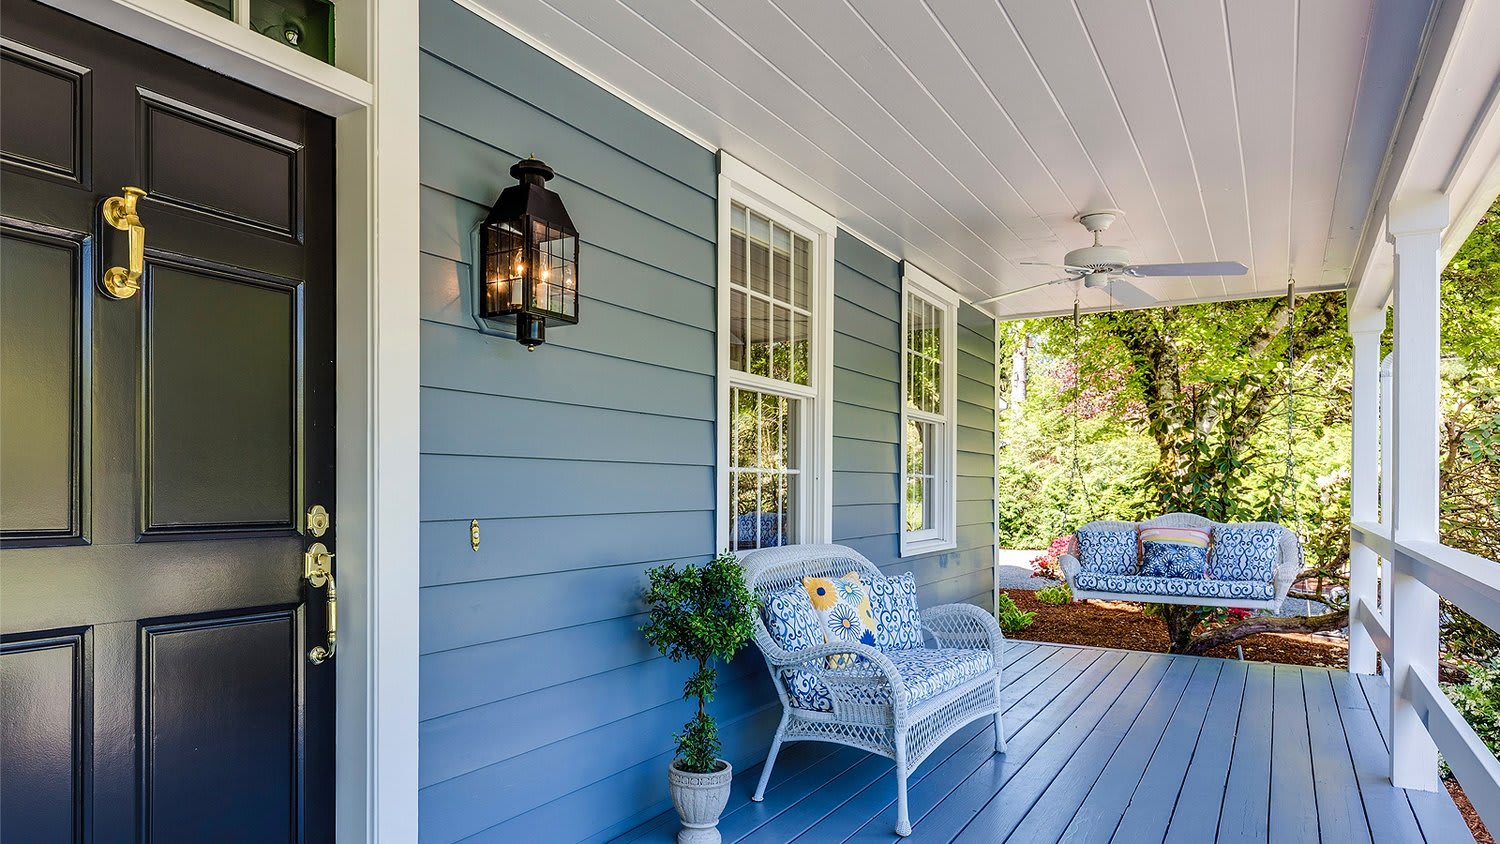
916 547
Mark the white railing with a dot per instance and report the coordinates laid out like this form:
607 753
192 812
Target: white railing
1468 581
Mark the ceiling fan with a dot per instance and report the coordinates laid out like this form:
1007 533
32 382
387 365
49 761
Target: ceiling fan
1101 265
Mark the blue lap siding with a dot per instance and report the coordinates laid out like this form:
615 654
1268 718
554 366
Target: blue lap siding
544 717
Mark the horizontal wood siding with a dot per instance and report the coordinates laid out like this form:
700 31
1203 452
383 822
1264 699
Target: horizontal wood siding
866 418
544 716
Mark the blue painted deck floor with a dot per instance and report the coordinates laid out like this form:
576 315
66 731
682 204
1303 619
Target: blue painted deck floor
1110 745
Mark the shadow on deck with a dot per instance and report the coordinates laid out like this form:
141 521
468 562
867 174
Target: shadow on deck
1110 745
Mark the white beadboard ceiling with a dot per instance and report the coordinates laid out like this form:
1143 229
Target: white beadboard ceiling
964 135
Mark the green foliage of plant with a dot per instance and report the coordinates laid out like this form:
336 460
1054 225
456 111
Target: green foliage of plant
1055 596
701 614
1478 699
1011 616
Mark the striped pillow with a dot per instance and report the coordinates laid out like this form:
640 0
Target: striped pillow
1174 552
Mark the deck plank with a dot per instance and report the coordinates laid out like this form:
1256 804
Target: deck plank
1061 799
1390 815
1247 793
1341 812
1053 738
1150 807
1439 818
1098 812
1293 807
1027 723
1116 745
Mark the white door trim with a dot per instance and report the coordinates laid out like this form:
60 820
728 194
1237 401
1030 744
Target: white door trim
373 94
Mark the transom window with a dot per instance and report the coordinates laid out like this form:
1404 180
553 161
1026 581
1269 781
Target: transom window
928 418
775 364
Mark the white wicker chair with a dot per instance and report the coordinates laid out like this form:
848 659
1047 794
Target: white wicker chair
869 701
1223 594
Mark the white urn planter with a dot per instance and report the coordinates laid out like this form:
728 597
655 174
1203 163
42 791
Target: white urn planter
699 799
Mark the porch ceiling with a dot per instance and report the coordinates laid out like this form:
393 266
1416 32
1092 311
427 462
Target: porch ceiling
965 135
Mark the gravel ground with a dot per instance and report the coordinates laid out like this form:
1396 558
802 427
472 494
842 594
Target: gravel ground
1015 573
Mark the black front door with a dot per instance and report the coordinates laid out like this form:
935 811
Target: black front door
159 452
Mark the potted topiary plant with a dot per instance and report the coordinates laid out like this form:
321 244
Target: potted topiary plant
701 614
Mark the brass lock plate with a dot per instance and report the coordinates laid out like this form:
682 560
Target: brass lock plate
317 564
318 520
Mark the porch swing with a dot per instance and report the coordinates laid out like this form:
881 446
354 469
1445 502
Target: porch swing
1184 558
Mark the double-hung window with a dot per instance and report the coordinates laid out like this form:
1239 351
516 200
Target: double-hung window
775 364
929 438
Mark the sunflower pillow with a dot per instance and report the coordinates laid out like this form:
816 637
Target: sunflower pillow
842 605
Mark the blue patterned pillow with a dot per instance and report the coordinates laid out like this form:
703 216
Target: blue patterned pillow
790 620
1244 553
1174 552
898 622
1107 550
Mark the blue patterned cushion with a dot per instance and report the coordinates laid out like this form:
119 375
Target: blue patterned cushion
1174 586
1244 553
1174 552
760 530
924 671
790 620
1107 550
898 622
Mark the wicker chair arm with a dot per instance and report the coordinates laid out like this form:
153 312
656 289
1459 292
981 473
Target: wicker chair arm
1070 566
963 626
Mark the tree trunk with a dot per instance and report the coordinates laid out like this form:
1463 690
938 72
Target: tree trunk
1180 621
1199 645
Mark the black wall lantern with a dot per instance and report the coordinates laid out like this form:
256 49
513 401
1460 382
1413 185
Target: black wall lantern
530 257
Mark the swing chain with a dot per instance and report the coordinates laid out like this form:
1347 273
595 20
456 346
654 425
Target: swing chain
1076 482
1287 492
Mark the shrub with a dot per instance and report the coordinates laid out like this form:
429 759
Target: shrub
1046 564
1478 700
703 614
1011 616
1055 596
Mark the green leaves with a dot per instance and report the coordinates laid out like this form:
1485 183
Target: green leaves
1011 616
701 614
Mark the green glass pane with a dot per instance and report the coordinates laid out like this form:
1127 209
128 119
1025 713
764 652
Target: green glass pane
304 25
222 8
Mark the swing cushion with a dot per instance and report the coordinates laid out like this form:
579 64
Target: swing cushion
1107 550
1177 586
1179 552
1245 553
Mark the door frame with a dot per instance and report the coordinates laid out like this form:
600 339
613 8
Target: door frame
372 92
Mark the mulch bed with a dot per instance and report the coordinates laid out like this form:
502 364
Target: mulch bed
1120 624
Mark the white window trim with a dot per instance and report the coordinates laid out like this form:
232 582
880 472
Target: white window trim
944 536
740 183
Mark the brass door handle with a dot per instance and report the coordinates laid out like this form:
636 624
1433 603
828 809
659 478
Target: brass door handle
317 569
120 212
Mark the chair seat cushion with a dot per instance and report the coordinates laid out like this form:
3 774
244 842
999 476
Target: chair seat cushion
1107 550
898 621
1182 587
1244 552
925 672
1174 552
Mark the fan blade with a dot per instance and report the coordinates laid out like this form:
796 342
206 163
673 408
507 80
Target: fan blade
1070 268
1128 295
1018 291
1209 268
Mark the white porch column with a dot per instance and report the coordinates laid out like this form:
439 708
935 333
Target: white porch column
1364 479
1387 489
1415 227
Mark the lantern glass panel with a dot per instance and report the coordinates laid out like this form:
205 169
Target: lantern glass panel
554 283
504 268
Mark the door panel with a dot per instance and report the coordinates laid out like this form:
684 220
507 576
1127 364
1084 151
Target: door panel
41 383
157 452
239 669
43 704
53 92
261 190
222 376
